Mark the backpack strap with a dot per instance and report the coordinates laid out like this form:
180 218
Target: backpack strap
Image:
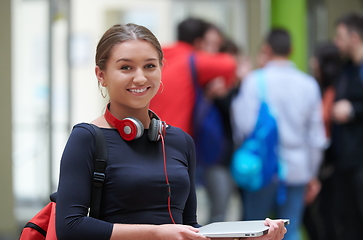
261 83
36 227
262 90
193 70
100 163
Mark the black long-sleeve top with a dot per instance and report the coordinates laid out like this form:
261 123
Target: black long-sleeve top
347 138
134 191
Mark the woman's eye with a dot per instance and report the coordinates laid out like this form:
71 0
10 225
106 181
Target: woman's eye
125 68
150 66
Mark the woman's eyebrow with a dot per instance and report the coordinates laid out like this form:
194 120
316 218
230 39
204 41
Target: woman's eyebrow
124 59
129 60
151 59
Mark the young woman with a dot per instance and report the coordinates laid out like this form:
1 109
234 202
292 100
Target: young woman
142 168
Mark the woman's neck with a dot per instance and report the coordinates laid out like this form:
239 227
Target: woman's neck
121 112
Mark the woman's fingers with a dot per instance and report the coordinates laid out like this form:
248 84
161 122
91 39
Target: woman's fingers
277 229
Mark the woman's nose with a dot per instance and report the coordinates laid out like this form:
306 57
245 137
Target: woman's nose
139 77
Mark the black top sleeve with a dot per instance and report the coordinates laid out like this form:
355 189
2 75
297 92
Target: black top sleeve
74 190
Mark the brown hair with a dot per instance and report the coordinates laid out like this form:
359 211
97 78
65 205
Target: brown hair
120 33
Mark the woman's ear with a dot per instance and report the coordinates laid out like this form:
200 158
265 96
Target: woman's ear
100 76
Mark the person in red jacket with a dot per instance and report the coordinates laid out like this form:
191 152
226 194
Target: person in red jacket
175 104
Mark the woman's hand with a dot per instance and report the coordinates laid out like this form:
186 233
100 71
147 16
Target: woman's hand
177 231
276 231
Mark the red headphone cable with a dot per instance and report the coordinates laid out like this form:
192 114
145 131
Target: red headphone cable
167 179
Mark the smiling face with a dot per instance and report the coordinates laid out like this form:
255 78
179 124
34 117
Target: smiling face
132 74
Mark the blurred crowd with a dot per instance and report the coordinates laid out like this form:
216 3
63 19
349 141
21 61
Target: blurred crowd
319 117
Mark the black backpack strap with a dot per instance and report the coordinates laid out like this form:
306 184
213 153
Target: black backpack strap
36 227
100 163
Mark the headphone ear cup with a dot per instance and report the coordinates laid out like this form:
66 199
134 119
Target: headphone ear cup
154 130
131 128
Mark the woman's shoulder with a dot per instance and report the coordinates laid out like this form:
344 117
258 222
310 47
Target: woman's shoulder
83 131
178 133
176 130
83 127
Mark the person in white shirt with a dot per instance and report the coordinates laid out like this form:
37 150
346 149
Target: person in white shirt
294 97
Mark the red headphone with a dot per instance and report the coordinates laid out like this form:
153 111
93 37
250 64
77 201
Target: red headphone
131 128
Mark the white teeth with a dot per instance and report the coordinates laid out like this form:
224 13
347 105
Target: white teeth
137 90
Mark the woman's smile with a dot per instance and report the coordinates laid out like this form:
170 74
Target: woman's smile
138 91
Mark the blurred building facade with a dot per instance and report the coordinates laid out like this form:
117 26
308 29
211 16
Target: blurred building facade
48 82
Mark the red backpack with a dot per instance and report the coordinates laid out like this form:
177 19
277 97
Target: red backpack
42 225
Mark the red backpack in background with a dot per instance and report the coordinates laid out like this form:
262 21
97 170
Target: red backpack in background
42 225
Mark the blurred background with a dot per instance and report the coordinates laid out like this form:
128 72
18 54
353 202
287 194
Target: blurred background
48 84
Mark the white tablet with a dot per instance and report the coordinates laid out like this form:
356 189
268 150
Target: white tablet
236 229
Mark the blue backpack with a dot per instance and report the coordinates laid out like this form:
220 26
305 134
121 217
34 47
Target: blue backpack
256 162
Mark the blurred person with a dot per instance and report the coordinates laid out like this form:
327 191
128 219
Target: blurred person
179 90
294 98
244 65
347 131
215 74
217 177
212 39
211 42
135 203
319 217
